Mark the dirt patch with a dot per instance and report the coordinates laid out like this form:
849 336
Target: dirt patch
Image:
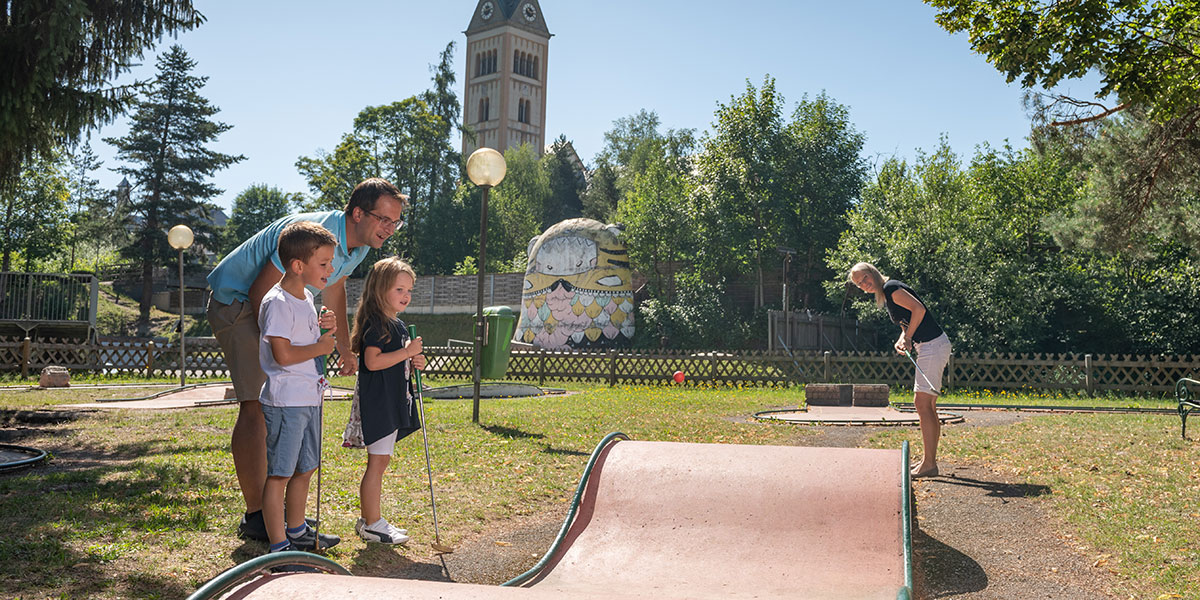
979 535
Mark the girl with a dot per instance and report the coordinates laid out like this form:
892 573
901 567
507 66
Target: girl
919 330
386 357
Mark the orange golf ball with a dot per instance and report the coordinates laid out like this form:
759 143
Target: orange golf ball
678 376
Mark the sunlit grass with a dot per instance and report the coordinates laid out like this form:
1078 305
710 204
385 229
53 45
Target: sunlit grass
144 503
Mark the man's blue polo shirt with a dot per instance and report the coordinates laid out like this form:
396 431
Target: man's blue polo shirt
230 281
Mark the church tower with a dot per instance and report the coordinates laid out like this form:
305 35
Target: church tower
505 98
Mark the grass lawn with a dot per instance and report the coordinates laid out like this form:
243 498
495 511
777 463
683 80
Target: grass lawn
143 504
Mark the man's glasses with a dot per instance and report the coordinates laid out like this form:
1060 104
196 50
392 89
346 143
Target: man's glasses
397 224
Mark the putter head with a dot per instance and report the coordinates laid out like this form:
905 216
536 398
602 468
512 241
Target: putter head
441 548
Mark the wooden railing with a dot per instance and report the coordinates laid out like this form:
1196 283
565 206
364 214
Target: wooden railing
1080 372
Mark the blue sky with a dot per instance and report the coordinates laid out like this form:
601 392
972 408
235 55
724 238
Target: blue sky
291 76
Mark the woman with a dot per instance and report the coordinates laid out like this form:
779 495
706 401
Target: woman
919 330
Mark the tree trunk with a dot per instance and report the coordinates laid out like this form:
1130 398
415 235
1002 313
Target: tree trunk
147 291
8 217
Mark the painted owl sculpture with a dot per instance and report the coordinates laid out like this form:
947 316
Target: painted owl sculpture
578 292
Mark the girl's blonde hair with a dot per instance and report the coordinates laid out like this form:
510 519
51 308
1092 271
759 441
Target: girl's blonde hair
372 306
870 270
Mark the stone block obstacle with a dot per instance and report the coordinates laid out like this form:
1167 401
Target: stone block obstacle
849 404
847 394
54 377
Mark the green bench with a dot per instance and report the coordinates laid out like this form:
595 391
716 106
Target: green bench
1187 401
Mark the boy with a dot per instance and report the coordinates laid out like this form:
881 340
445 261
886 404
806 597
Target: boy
291 397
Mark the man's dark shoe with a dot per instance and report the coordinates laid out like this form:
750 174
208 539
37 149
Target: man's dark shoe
253 527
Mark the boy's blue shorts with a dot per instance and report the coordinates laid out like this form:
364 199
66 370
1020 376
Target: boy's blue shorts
293 434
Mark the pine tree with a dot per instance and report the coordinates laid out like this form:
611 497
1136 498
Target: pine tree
59 57
166 142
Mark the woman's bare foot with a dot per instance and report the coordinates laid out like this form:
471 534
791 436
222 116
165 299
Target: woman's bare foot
922 471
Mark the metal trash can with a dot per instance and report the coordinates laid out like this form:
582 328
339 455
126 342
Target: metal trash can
499 324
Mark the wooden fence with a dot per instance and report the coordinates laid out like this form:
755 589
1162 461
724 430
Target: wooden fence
1080 372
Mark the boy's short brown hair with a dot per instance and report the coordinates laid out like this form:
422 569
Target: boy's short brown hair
300 239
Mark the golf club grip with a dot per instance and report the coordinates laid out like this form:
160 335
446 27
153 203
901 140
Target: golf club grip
412 335
323 360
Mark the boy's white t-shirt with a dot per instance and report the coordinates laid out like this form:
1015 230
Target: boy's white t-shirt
284 315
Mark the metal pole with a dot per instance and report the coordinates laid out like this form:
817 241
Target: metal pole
182 353
477 370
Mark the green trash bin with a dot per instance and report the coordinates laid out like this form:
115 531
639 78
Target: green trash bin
499 324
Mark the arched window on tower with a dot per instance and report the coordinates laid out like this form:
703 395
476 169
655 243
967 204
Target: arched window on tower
487 109
516 60
534 72
478 65
520 111
492 66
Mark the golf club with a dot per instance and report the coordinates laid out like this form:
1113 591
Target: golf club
914 362
324 360
437 536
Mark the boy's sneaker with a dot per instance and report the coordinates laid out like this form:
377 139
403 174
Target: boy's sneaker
381 531
307 539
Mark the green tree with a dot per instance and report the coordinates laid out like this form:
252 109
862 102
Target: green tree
515 207
656 214
567 183
1143 50
443 103
256 207
635 141
1145 53
59 59
35 220
601 197
825 174
332 176
167 142
767 182
1114 156
973 243
410 144
452 230
404 140
741 172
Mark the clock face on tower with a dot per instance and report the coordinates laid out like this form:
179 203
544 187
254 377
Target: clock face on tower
485 10
529 12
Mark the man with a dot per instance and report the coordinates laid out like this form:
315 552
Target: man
375 211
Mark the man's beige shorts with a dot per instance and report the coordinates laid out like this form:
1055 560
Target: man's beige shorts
236 329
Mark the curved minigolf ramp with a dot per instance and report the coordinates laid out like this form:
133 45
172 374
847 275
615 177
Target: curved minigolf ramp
728 521
669 520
